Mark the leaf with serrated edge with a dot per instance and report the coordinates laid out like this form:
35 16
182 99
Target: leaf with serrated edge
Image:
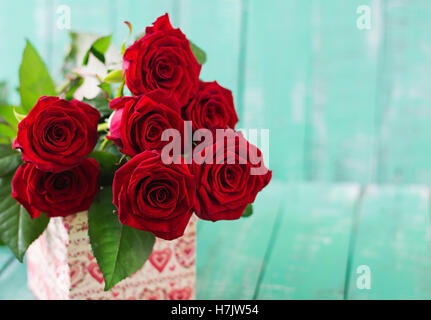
120 250
17 229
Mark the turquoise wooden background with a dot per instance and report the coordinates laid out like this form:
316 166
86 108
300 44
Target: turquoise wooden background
349 113
342 104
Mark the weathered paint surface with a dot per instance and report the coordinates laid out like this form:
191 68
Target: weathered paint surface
306 241
342 105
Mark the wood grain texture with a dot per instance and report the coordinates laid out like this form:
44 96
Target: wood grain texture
298 243
5 257
405 95
342 104
309 256
13 282
341 139
393 240
276 82
215 26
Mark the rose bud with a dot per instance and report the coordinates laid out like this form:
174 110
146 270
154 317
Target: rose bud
212 108
228 176
153 196
138 122
162 59
56 194
57 134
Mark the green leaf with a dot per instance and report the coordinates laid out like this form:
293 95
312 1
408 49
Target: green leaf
115 76
73 85
34 78
8 114
7 131
109 147
120 91
101 45
10 159
200 55
106 87
108 165
104 126
248 211
101 103
120 250
17 229
98 49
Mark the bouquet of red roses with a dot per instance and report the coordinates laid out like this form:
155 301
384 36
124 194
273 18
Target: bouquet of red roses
141 167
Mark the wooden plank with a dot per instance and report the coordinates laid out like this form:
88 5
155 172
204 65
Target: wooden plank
341 139
13 282
309 257
230 254
405 95
5 257
276 88
215 26
393 240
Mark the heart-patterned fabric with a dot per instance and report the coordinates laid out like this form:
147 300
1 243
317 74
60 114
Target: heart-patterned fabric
61 266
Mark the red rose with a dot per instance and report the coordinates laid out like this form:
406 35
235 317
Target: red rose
57 134
228 178
154 197
139 121
212 108
56 194
162 59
